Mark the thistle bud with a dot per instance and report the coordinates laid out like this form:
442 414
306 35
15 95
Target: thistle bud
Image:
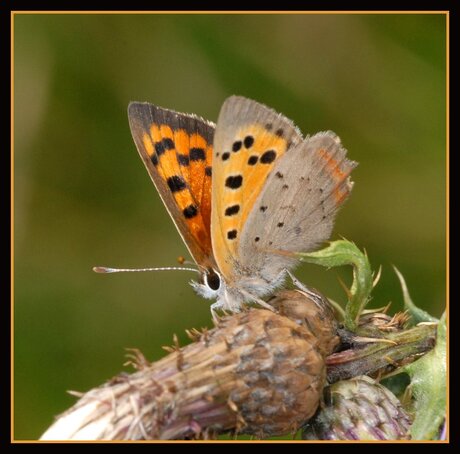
358 409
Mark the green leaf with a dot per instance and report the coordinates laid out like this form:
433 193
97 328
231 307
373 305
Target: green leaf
418 315
428 386
340 253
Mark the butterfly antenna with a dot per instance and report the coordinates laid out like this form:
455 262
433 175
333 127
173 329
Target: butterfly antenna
104 269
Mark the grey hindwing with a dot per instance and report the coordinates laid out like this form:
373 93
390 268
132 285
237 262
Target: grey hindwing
296 209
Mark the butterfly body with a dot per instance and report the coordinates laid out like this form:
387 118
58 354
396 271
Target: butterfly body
245 194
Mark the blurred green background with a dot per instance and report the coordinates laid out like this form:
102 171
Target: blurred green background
83 197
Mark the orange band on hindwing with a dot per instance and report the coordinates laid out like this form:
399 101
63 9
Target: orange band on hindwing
339 176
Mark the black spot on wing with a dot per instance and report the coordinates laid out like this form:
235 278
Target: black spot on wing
183 160
190 212
225 156
231 234
253 160
234 181
168 143
176 183
197 154
248 141
268 157
232 210
164 145
237 146
159 148
208 171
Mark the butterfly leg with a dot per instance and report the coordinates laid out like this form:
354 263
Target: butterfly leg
302 286
215 306
259 301
264 304
296 282
215 318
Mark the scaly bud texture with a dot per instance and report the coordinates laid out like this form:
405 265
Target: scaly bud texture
359 409
256 372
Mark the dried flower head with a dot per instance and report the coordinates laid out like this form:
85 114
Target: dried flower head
256 372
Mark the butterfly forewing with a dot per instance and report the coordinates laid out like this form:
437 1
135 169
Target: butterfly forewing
176 149
250 139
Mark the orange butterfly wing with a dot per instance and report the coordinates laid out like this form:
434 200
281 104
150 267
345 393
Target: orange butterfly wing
176 149
250 139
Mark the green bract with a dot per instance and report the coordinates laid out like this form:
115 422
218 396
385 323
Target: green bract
340 253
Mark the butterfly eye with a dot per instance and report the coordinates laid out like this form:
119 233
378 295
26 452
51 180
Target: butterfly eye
212 280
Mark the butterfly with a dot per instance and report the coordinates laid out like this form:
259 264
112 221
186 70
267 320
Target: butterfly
245 194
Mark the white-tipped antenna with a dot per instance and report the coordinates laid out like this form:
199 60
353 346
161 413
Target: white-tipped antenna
104 269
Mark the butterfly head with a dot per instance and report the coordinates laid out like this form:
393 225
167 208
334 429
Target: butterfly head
211 285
